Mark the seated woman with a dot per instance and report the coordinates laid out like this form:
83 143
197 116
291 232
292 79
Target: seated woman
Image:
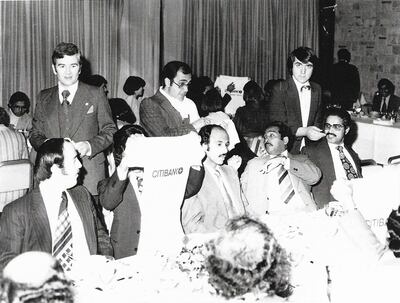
20 119
121 193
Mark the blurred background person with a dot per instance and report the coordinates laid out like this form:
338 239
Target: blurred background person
134 88
121 112
385 100
19 105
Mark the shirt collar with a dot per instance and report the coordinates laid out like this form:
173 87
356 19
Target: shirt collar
298 84
72 91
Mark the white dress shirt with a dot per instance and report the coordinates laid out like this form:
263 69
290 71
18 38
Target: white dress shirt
305 103
72 91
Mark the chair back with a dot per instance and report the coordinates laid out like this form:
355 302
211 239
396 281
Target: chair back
15 175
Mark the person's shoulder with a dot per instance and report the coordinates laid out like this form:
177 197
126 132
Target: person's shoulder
315 85
43 94
157 98
257 161
21 205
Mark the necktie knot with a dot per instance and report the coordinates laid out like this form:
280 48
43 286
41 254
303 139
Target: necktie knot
65 94
339 148
305 87
64 202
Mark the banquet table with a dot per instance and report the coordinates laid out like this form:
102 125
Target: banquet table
376 139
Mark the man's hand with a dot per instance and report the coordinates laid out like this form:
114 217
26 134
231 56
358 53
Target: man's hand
235 161
231 87
311 132
342 191
83 148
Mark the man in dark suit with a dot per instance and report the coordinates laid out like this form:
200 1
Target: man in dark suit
56 217
344 81
335 159
297 101
169 112
77 111
385 100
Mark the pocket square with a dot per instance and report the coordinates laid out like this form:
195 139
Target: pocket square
91 109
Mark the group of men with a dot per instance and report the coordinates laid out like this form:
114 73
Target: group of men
73 123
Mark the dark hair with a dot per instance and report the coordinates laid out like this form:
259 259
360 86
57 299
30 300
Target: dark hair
96 80
252 92
205 132
212 102
389 84
121 110
338 112
120 138
344 54
132 84
271 275
19 96
304 55
49 153
284 131
65 49
4 117
171 69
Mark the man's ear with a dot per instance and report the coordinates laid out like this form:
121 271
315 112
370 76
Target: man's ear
167 82
285 140
54 69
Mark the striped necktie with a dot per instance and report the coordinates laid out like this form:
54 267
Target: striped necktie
285 185
348 168
62 249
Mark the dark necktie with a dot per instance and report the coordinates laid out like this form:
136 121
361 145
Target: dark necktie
65 94
285 185
383 110
62 248
305 87
349 169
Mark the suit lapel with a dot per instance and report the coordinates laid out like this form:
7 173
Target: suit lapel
79 108
313 105
293 94
86 215
167 106
41 222
52 108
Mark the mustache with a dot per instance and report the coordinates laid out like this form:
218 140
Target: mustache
331 134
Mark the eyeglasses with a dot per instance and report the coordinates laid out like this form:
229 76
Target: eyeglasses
337 127
181 85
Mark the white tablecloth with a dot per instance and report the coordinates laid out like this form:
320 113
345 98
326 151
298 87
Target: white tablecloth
377 142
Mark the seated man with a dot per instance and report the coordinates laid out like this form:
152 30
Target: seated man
19 112
12 147
385 100
169 112
56 217
279 183
220 197
335 159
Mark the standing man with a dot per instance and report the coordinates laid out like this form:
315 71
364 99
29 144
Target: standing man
344 81
335 159
75 110
279 183
56 217
169 112
297 101
220 197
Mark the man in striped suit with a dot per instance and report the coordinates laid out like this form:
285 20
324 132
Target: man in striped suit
57 217
12 147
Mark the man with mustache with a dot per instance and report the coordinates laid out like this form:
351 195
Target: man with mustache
335 159
279 183
220 197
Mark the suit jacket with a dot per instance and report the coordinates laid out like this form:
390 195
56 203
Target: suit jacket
255 184
161 119
320 153
91 120
206 211
24 226
393 105
285 107
119 197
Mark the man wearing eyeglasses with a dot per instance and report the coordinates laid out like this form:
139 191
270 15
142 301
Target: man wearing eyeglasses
20 119
169 112
335 159
297 101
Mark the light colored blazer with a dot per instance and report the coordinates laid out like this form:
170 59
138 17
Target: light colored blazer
91 121
206 211
303 173
24 226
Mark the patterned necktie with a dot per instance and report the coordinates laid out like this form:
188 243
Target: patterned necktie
139 180
305 87
285 185
62 249
225 193
65 94
349 169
